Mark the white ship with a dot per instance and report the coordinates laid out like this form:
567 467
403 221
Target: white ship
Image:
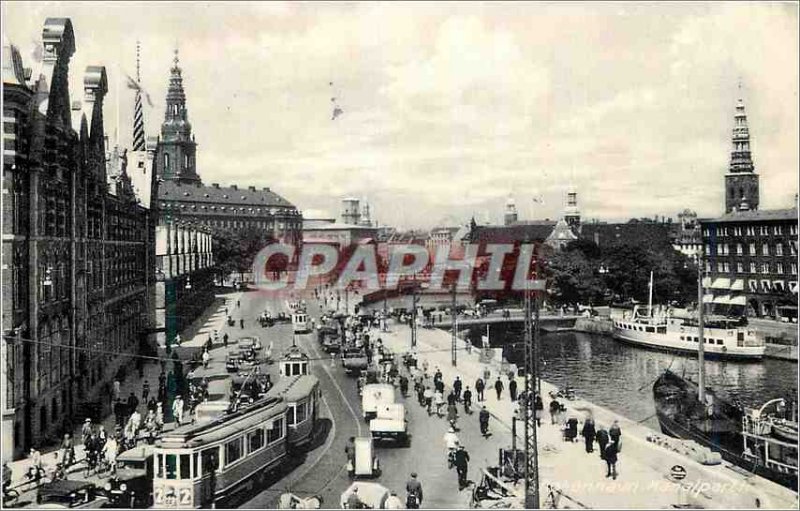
724 337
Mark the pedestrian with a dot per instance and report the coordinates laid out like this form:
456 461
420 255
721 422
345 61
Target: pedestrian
483 420
512 388
467 397
438 401
452 414
437 376
350 453
394 502
421 394
102 437
145 390
538 407
117 390
602 441
177 410
614 433
462 466
119 412
588 433
67 451
439 386
86 430
225 339
133 403
479 387
238 303
555 410
241 323
353 502
206 359
451 398
498 387
177 339
611 459
457 388
413 492
428 399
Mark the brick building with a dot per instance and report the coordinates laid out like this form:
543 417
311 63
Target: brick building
77 246
750 255
183 196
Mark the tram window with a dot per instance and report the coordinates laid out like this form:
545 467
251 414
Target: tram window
233 450
255 440
719 341
185 467
195 466
301 412
171 466
275 433
661 329
290 416
210 458
159 465
650 329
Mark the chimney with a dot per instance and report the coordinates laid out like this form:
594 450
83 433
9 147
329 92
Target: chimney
266 188
234 187
251 188
215 185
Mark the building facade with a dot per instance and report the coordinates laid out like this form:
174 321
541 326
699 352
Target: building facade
750 255
76 246
183 196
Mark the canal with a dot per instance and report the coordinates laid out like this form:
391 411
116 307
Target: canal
620 377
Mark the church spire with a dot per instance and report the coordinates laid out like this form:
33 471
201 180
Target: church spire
138 113
741 159
741 181
176 97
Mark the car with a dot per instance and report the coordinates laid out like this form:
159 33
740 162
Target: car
246 342
132 487
232 362
63 494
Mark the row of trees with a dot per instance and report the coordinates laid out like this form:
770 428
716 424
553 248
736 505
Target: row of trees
587 274
234 251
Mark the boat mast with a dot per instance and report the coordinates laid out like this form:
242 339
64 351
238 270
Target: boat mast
650 297
701 388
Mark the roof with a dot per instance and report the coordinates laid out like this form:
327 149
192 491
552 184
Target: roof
756 215
294 388
175 191
63 487
338 227
512 233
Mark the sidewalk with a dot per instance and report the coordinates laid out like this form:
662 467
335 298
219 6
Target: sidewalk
643 467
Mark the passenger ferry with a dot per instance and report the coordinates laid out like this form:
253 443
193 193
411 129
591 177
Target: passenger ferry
724 337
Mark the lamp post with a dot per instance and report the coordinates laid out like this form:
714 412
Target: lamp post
414 313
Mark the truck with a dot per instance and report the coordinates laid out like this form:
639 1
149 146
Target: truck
354 360
373 396
390 423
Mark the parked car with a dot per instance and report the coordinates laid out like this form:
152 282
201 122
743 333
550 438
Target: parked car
62 494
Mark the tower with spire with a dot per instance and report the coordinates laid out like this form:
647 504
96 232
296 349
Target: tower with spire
741 181
572 215
510 216
138 113
176 153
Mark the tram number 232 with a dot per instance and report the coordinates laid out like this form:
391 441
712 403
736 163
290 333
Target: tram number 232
171 496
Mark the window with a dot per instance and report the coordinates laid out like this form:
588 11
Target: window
159 466
720 268
186 471
779 268
290 416
275 433
752 249
301 412
765 249
708 249
793 247
719 341
777 230
727 267
255 440
794 268
739 250
166 161
171 466
778 285
764 267
739 268
753 286
766 285
779 249
753 268
233 451
210 460
793 229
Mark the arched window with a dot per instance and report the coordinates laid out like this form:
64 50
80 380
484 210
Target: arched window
166 161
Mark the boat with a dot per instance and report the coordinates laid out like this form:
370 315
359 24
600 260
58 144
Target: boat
728 338
755 441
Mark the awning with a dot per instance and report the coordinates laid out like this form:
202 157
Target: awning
738 285
721 283
706 281
724 299
738 300
708 298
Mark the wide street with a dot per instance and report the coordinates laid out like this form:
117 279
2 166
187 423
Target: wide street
323 471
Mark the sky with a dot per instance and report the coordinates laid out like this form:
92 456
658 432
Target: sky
449 109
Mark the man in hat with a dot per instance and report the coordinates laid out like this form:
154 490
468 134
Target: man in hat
394 502
414 491
177 409
86 430
462 465
353 502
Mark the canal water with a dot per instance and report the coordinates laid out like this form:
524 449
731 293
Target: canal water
620 377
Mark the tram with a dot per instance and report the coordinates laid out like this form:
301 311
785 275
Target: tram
302 396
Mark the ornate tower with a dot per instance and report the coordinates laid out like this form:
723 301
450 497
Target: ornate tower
510 216
176 152
572 214
741 181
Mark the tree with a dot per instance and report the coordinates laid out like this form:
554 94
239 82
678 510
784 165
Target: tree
235 251
573 278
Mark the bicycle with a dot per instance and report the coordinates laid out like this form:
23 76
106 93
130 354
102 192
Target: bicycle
10 496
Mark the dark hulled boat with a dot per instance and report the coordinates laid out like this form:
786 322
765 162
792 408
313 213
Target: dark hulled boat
717 424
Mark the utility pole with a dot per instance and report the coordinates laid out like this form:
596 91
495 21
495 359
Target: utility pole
531 375
385 325
414 313
701 377
454 340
